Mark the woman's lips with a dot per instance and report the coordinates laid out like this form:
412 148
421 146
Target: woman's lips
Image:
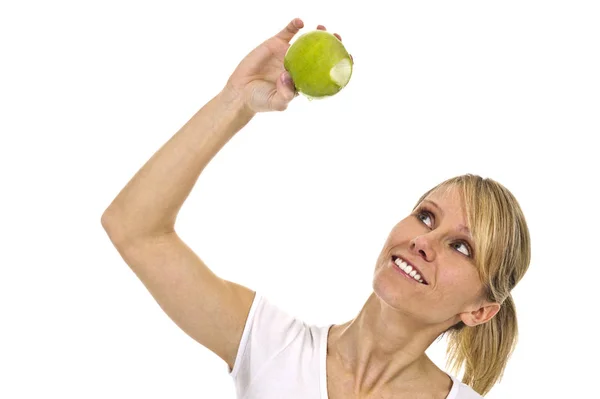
424 282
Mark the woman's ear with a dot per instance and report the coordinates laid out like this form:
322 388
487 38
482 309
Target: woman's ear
480 315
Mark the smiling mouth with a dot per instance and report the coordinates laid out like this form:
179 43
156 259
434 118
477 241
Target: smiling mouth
408 270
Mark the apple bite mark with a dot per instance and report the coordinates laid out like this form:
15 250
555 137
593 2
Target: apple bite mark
341 72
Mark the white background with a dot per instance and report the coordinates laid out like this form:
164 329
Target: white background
299 203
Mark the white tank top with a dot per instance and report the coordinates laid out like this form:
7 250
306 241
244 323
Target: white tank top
280 356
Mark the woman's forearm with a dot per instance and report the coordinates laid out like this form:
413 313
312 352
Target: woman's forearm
149 203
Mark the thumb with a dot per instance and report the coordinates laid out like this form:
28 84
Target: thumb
286 91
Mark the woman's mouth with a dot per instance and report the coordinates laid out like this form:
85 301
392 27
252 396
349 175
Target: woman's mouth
407 270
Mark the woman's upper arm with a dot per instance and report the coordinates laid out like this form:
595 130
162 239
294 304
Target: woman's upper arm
209 309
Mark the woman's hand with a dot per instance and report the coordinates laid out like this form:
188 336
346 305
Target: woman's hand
260 80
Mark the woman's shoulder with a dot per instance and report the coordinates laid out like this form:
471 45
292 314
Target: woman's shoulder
460 390
466 392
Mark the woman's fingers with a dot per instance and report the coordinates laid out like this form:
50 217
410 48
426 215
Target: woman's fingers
321 27
291 29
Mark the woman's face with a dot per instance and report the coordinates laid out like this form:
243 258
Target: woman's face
435 240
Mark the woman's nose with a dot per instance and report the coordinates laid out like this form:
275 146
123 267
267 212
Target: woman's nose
421 246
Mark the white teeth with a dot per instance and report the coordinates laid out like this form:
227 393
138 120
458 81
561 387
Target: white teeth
408 270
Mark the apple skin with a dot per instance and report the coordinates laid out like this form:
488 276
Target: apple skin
310 60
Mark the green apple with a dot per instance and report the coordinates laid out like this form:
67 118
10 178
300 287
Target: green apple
319 64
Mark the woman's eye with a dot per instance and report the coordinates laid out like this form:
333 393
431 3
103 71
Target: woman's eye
423 216
467 251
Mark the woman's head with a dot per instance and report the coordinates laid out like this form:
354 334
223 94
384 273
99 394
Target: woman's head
470 241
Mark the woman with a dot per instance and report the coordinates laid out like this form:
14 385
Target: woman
447 268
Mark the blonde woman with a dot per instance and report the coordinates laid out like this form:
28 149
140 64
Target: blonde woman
447 268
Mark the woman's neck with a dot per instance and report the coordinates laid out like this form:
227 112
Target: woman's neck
382 347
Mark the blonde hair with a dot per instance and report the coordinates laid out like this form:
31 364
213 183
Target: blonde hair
502 255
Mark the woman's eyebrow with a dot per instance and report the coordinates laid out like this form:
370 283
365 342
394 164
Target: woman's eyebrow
435 205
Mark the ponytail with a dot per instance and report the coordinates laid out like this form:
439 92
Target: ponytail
484 350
